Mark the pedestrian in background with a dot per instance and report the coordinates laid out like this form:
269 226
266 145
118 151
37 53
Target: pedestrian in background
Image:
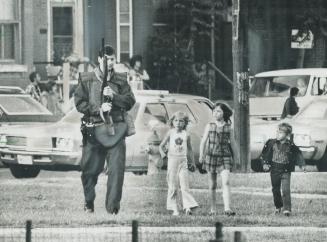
180 160
290 107
50 98
280 156
33 88
216 154
137 74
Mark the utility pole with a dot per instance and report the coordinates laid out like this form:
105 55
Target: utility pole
241 87
213 59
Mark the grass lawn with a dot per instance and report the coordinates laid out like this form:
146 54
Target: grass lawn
56 199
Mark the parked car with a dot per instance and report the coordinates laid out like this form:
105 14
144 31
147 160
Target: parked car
11 90
309 129
58 146
271 89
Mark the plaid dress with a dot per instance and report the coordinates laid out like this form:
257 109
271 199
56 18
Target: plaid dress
218 153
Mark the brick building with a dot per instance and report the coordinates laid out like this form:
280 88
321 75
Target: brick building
36 33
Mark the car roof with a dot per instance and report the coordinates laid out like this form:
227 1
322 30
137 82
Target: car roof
165 96
291 72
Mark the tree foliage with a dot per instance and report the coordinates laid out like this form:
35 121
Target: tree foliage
171 47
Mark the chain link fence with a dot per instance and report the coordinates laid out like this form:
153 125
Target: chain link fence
132 233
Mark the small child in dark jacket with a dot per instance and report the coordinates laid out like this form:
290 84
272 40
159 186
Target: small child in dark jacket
280 156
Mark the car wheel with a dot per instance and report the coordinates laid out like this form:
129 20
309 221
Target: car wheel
322 163
22 171
256 165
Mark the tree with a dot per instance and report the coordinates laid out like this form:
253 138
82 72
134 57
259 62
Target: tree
172 50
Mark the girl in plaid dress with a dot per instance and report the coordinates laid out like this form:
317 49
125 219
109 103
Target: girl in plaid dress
216 154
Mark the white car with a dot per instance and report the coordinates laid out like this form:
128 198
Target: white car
58 146
269 90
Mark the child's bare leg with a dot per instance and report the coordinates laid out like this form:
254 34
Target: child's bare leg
212 191
226 188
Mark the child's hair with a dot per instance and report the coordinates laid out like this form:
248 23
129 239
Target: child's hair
226 110
294 91
179 114
285 127
32 76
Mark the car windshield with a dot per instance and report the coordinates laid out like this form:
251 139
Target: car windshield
317 110
75 117
21 105
278 86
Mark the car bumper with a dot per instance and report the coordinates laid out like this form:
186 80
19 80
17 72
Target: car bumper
45 158
308 152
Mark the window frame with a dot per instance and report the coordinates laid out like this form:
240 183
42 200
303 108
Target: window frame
54 4
119 25
17 35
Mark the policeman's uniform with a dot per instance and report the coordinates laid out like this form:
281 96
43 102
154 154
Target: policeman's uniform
88 101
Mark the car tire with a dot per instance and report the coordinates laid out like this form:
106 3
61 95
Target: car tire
22 171
322 163
256 165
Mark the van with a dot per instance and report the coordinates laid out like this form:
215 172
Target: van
269 90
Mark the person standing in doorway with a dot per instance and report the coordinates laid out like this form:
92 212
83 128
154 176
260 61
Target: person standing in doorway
91 98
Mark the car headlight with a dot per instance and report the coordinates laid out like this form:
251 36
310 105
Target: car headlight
3 140
65 144
302 140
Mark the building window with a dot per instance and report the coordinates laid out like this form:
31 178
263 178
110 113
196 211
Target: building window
9 29
161 17
62 20
124 30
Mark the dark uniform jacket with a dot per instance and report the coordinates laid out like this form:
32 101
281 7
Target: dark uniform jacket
88 95
294 154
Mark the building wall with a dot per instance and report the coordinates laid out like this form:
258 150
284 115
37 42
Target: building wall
40 36
142 26
16 74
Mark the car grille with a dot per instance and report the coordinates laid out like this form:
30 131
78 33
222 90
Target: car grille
16 141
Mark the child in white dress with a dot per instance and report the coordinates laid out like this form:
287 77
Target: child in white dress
180 160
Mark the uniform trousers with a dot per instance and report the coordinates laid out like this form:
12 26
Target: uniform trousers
92 164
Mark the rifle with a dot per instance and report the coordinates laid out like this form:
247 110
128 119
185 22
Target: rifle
106 99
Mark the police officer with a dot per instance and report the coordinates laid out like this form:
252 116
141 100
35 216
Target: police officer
89 101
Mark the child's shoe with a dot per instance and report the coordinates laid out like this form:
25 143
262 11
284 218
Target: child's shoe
287 213
175 213
212 212
278 211
229 213
188 211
